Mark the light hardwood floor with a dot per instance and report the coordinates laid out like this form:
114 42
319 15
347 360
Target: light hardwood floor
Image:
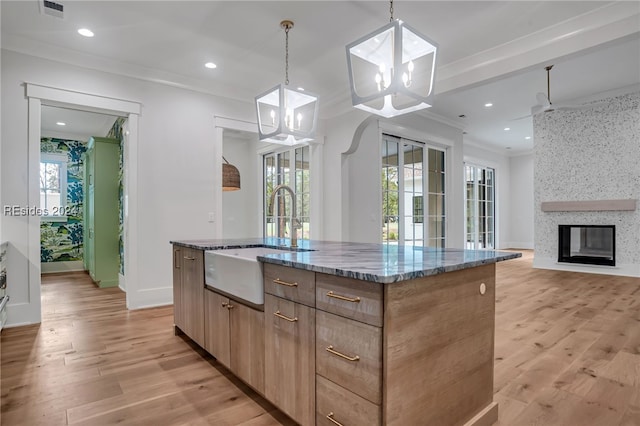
567 347
567 353
92 362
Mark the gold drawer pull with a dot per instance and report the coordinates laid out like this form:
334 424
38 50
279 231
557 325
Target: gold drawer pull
347 357
176 262
279 315
279 281
189 258
330 417
348 299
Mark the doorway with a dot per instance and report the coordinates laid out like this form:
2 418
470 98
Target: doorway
39 96
65 134
480 217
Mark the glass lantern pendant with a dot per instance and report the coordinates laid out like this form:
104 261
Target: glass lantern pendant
392 70
287 116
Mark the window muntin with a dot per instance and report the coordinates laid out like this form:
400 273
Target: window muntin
480 207
53 186
279 169
409 216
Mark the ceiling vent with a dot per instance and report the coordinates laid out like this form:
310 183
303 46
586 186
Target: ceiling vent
52 8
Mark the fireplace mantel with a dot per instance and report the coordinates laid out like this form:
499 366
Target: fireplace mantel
588 206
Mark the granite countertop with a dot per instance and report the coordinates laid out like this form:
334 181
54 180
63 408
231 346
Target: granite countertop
369 262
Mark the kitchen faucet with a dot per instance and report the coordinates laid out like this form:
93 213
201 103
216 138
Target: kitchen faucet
295 223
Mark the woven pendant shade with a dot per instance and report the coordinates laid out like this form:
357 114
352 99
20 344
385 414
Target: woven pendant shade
230 177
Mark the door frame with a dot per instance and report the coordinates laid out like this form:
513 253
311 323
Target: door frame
39 95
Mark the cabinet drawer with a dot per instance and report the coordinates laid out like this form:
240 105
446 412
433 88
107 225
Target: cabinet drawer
290 283
349 353
343 407
358 300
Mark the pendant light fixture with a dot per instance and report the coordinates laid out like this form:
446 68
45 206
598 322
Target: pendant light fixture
230 177
391 70
286 115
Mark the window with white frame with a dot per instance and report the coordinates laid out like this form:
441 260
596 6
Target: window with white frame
413 195
288 167
53 186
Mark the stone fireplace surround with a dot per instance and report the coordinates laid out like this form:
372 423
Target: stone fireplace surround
587 213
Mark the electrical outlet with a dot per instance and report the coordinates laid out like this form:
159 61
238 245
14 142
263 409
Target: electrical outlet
212 217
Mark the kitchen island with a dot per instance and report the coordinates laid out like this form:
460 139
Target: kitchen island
353 334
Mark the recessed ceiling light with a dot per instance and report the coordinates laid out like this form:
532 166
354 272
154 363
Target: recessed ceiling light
527 137
301 89
507 129
210 65
488 105
61 123
86 32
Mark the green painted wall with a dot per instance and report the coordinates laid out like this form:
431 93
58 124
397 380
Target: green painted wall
116 132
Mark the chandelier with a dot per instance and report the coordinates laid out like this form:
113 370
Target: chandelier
391 70
286 116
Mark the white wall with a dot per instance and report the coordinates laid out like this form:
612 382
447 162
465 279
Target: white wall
479 156
583 155
521 205
339 133
175 170
364 202
242 210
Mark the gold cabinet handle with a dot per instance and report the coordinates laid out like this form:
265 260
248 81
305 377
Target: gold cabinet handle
176 263
348 299
227 305
279 281
335 422
341 355
189 258
279 315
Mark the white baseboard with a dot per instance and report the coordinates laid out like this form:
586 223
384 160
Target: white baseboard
626 270
54 267
150 298
122 284
524 245
20 314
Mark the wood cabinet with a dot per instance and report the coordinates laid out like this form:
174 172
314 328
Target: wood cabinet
188 292
335 404
217 327
234 335
333 350
100 215
349 353
178 309
414 352
290 357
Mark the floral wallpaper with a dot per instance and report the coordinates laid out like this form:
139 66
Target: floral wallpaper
62 241
116 132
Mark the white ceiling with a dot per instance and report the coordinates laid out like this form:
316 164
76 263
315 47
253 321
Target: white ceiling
80 125
490 51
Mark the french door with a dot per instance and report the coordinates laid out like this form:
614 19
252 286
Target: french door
413 193
480 207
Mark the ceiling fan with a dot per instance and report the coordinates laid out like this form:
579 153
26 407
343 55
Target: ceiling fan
544 103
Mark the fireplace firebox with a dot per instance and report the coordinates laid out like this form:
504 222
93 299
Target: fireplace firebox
587 244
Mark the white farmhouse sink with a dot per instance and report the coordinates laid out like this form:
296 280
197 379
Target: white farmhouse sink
237 272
